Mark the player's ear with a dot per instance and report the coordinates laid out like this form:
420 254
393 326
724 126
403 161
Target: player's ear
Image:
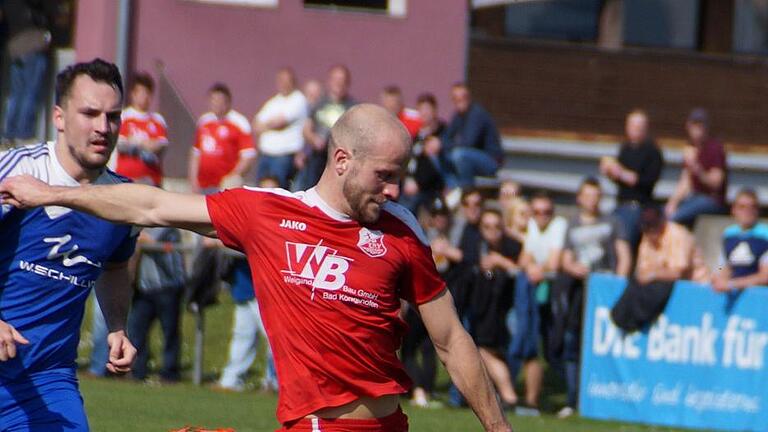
58 118
340 160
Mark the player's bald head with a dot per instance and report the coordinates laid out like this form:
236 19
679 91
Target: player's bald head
366 129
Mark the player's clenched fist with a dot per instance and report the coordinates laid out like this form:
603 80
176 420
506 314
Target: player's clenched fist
9 337
121 353
24 192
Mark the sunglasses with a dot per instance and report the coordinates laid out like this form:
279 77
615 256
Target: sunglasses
547 212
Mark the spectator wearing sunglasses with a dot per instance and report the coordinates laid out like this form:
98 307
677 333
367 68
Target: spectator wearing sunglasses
744 262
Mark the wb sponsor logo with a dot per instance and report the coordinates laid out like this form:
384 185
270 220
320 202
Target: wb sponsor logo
315 265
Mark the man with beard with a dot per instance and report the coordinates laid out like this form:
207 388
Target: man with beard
51 257
330 266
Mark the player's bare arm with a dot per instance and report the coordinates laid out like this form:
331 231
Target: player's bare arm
114 292
462 360
124 203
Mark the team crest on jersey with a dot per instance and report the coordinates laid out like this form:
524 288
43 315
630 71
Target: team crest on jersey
372 243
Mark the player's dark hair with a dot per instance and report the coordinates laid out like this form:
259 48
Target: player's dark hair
466 193
590 181
97 69
541 195
428 98
143 79
222 88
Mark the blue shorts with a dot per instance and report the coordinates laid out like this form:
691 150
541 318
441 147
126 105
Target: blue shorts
42 402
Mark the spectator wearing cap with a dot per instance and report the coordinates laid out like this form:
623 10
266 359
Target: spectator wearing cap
635 171
667 254
703 182
744 262
471 139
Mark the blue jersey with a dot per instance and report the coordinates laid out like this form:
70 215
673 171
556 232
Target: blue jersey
745 250
50 258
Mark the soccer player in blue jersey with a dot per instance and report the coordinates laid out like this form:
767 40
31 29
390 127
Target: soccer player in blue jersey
51 258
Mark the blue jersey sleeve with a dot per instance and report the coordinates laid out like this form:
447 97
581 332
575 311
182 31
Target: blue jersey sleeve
126 248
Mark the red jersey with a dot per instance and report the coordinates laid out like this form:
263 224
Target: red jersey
329 291
141 126
220 143
411 119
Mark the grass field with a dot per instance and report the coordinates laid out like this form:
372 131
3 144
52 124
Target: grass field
124 405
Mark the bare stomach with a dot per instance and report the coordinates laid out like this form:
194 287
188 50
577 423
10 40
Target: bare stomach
363 408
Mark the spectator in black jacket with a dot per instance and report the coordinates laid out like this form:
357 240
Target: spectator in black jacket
471 140
635 172
429 171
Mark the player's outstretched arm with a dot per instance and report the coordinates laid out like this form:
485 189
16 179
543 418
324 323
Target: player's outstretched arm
462 360
124 203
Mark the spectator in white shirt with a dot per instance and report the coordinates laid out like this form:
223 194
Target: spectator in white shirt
278 126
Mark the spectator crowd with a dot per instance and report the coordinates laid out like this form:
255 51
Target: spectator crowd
515 264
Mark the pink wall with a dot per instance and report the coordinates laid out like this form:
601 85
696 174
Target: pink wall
243 46
95 34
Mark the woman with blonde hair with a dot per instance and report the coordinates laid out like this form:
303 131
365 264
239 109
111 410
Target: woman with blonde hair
516 216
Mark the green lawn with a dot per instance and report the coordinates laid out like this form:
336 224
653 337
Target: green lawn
123 405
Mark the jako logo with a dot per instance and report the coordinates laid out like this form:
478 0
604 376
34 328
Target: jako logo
294 225
316 265
67 257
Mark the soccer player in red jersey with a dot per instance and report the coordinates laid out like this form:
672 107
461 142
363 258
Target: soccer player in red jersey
143 136
330 266
223 151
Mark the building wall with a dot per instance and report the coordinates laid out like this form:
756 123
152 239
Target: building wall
95 34
200 43
558 87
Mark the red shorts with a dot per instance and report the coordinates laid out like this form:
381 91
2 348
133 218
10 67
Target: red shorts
395 422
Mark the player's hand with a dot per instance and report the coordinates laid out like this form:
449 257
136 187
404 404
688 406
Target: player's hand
121 352
9 337
24 192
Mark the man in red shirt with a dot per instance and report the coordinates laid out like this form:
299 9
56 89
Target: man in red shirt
223 151
392 100
703 181
143 137
330 266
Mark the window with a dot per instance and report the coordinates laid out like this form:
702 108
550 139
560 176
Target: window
661 23
384 7
750 27
257 3
570 20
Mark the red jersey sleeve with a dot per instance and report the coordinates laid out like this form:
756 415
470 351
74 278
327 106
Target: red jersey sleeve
245 142
230 216
421 281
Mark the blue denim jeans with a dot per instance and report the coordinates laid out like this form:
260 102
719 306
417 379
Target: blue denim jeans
693 206
100 352
27 76
165 306
525 336
628 215
470 162
280 167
